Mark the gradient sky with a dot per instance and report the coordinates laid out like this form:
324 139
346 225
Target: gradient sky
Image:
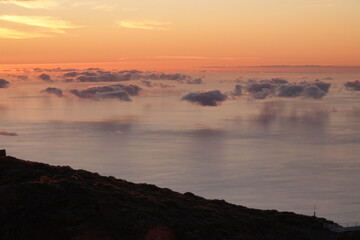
242 32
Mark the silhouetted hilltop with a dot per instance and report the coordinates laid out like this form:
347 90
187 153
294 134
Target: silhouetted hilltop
39 201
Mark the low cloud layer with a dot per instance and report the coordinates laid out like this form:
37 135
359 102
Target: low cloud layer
100 75
238 90
56 91
209 98
353 85
278 87
45 77
4 83
116 91
144 25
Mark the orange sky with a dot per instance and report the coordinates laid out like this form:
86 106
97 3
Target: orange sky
204 33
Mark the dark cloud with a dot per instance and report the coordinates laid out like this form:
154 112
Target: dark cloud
322 85
278 81
238 90
100 75
117 91
70 74
209 98
255 87
289 90
9 134
51 90
165 76
282 88
262 94
45 77
4 83
353 85
90 74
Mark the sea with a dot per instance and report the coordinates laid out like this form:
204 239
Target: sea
286 153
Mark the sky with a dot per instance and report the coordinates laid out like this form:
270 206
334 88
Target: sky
202 32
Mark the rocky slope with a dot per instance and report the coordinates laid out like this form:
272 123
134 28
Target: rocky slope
39 201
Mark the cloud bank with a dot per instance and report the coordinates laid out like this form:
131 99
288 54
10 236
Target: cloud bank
99 75
116 91
56 91
4 83
353 85
209 98
278 87
45 77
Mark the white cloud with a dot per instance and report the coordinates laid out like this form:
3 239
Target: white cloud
52 24
144 25
16 34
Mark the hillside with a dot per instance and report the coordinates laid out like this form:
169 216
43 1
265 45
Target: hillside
39 201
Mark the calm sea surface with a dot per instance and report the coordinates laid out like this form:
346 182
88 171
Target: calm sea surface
285 154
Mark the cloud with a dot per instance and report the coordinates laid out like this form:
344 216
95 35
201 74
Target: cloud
16 34
56 91
52 24
4 83
45 77
70 74
353 85
43 4
238 91
282 88
144 25
9 134
98 75
101 75
262 94
209 98
117 91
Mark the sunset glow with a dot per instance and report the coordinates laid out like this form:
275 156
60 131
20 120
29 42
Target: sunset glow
242 33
